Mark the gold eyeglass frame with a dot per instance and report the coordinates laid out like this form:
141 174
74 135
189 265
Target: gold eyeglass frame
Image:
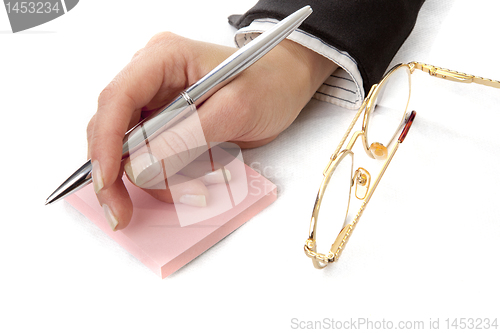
365 186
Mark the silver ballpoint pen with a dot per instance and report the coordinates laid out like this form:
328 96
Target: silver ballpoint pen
194 95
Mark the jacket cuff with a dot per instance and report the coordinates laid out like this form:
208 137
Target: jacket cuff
344 87
369 32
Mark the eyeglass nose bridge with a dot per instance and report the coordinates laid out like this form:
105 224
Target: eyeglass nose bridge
362 180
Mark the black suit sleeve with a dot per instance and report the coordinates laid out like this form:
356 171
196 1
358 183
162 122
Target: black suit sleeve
371 31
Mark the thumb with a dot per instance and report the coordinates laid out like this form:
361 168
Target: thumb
171 150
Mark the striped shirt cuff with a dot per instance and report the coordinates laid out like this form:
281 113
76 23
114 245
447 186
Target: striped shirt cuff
344 87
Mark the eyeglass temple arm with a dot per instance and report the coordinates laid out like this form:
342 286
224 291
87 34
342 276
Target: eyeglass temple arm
451 75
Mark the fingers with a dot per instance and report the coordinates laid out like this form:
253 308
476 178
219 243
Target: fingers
182 189
167 153
128 92
154 76
207 172
120 104
116 204
118 107
189 186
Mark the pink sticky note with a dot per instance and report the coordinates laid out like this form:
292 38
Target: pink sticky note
157 237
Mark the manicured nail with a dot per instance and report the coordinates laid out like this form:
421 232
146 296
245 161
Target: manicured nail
143 168
194 200
217 176
97 176
110 217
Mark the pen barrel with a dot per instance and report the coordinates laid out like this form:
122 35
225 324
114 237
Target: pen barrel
212 82
154 125
195 95
245 57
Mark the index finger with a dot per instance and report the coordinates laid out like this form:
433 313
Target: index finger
133 88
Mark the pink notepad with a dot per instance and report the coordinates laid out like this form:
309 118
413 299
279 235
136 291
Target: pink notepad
165 237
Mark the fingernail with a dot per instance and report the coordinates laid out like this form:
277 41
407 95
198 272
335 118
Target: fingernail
217 176
110 217
194 200
97 176
142 169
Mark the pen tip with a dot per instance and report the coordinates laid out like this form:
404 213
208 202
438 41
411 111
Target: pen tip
307 9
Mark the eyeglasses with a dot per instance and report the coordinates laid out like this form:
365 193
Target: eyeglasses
386 123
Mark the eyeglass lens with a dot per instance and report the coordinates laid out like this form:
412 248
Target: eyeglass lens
335 202
387 115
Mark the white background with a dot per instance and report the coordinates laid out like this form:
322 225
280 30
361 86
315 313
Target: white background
426 247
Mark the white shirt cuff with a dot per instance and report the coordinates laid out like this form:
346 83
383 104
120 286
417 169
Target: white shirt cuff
344 87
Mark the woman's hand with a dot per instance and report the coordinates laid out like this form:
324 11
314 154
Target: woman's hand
250 111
